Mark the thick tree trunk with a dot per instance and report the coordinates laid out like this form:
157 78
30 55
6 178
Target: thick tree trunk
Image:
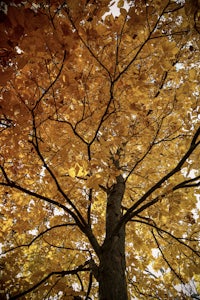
112 280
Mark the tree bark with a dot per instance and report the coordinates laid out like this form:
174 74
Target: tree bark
112 279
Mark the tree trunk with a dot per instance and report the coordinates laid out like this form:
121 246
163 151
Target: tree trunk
112 280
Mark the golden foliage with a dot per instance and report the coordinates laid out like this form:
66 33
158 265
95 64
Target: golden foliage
86 97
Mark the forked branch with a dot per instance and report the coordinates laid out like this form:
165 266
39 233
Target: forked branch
135 209
41 234
161 230
81 268
83 227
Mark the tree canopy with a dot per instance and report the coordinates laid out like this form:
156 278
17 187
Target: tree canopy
99 133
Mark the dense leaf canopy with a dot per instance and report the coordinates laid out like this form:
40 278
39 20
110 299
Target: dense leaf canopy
89 92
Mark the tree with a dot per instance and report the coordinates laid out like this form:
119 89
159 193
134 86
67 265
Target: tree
99 149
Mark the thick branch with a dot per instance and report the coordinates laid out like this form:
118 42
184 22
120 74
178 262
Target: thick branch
39 236
178 167
131 212
179 240
36 146
13 185
160 197
84 228
81 221
80 268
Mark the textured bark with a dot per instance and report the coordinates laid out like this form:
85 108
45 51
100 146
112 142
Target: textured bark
112 280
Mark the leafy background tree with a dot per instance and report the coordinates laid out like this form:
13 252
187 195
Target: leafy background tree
99 149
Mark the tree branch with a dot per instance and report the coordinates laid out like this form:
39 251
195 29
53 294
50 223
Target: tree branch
131 212
89 287
179 240
142 45
85 44
81 221
36 146
85 229
166 260
80 268
188 183
13 185
38 236
52 83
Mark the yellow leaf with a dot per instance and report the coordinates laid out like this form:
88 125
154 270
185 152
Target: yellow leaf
192 74
72 172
